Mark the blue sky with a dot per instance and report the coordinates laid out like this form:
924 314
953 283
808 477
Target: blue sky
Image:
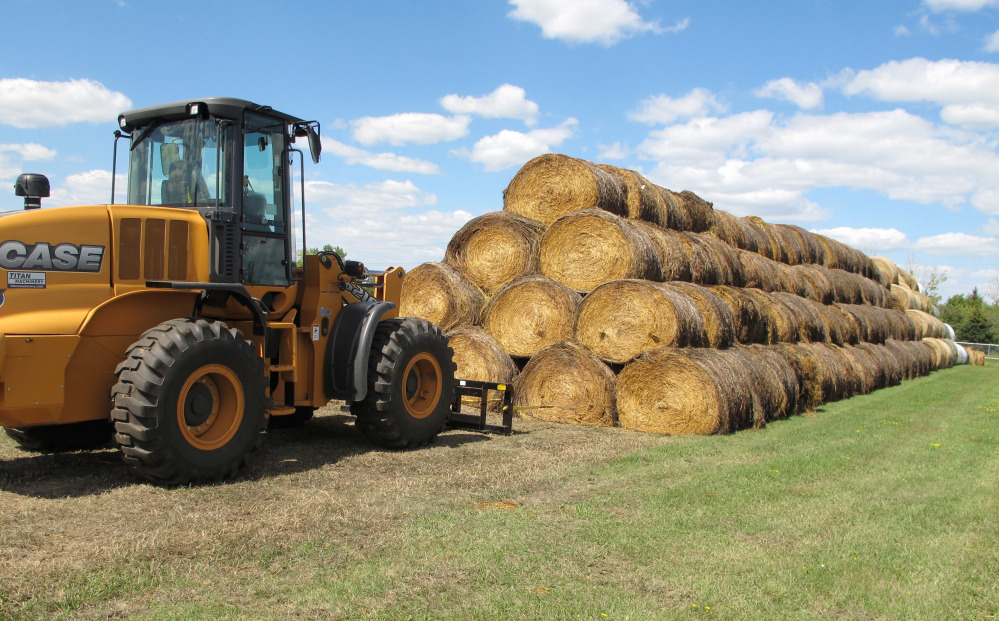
872 122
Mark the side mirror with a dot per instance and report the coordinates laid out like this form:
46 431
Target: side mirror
315 145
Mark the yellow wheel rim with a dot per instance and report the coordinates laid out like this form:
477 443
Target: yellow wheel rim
210 407
422 385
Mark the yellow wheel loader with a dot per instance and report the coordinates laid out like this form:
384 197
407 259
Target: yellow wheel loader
180 324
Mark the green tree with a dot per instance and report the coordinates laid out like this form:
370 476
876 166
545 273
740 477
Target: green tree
327 248
977 328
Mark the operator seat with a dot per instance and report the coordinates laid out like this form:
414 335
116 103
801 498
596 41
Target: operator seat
185 185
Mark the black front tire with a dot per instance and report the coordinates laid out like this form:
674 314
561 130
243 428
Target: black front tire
86 435
410 384
189 405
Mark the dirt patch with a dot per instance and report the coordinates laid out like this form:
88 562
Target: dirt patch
76 512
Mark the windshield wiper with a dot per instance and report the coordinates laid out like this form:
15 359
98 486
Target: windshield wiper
148 129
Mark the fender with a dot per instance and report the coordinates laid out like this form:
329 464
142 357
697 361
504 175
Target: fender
350 347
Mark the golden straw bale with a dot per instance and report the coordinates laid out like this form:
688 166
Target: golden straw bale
643 198
865 368
728 229
566 383
758 271
809 370
791 242
623 318
810 322
674 260
495 248
729 268
819 288
793 281
927 325
531 313
677 217
441 294
587 248
873 293
908 279
704 266
843 327
478 356
775 384
887 364
774 247
685 391
750 324
787 325
552 185
699 211
719 322
886 272
811 249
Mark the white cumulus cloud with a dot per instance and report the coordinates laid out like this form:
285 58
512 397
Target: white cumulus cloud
409 128
510 148
29 103
92 187
958 244
380 161
507 101
587 21
959 5
805 96
662 109
873 241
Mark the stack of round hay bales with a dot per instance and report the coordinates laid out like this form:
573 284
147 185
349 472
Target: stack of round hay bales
592 269
531 313
495 248
621 319
566 383
441 294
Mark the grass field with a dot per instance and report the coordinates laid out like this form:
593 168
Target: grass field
884 506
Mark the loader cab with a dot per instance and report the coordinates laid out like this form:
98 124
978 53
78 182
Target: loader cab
230 160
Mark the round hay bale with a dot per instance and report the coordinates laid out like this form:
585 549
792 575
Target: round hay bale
673 257
587 248
773 247
729 267
495 248
809 371
699 211
888 365
758 271
906 278
531 313
643 198
791 242
719 321
552 185
566 383
728 229
775 384
811 248
811 323
478 356
793 281
692 391
885 271
872 293
623 318
677 217
926 325
819 288
865 368
750 324
786 324
441 294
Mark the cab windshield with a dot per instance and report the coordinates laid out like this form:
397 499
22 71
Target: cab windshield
177 164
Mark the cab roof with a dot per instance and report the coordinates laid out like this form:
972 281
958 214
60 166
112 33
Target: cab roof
220 107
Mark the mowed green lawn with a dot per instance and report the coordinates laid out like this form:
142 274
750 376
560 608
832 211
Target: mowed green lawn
884 506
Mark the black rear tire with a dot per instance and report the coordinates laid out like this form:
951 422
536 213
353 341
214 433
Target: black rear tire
85 435
410 384
189 405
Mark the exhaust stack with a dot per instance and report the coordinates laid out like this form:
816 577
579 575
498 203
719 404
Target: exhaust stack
33 187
